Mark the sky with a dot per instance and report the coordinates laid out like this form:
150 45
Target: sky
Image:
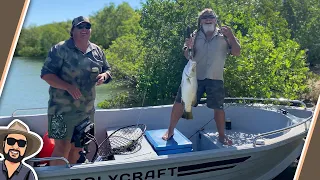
42 12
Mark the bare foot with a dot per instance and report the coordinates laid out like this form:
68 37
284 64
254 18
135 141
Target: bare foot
224 140
167 136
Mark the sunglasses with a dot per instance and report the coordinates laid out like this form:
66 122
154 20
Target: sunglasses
85 25
12 141
208 17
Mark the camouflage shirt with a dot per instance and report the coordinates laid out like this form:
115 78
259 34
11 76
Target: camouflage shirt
74 67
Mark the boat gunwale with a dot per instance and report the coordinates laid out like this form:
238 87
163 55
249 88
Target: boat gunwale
161 160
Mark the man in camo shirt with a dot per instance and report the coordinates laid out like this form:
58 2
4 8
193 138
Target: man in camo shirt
72 69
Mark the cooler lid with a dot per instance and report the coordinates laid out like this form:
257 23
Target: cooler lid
177 141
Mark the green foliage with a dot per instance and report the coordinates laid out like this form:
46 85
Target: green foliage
121 100
112 22
303 19
125 56
36 41
266 70
143 46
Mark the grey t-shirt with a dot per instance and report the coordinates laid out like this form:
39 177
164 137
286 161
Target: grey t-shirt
210 56
22 172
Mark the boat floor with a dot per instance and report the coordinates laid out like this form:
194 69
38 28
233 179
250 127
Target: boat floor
238 137
146 151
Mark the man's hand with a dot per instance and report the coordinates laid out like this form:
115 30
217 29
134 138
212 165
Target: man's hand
235 46
225 30
74 91
102 78
189 42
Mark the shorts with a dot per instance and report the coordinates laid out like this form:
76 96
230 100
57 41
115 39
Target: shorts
61 127
214 90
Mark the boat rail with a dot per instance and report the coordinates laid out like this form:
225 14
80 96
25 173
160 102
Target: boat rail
202 101
273 99
17 110
269 99
282 130
50 159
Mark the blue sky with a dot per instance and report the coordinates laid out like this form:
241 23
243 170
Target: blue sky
47 11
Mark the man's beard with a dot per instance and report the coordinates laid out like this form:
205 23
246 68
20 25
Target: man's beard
208 27
9 158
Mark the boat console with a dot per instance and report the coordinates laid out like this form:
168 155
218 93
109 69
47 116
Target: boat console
83 135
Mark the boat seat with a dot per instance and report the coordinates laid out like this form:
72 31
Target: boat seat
144 151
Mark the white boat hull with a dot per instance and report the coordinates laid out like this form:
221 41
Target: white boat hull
209 160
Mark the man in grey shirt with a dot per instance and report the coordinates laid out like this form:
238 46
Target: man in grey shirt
210 46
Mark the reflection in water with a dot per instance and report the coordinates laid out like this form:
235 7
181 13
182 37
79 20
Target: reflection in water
25 89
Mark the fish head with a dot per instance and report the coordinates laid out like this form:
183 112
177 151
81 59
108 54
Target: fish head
190 68
193 68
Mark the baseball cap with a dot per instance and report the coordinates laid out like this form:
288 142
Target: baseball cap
76 21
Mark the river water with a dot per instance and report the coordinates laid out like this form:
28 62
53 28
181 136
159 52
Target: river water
24 89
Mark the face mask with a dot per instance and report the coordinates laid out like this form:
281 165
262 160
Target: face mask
208 27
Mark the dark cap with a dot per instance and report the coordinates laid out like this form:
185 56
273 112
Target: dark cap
79 20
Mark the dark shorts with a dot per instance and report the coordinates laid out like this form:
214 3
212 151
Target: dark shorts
214 90
62 127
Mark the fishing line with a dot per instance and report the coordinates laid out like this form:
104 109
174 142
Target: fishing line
202 128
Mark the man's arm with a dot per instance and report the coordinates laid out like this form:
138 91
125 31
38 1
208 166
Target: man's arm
189 43
105 76
54 81
235 45
232 40
50 69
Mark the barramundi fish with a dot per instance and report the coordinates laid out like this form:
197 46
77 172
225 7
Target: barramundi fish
189 86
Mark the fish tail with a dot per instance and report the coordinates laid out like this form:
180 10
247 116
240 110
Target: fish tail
187 115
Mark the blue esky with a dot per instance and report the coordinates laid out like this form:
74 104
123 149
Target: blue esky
47 11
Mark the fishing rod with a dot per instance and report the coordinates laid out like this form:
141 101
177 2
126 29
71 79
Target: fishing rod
189 36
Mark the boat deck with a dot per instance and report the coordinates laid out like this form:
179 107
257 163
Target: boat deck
238 137
210 141
144 151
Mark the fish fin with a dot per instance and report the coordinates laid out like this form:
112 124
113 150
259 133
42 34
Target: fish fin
188 80
182 102
187 115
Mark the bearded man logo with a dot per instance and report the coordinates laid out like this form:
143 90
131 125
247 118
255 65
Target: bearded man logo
18 144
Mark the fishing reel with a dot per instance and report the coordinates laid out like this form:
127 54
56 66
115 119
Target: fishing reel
83 135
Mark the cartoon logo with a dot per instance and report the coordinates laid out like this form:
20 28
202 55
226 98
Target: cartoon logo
18 144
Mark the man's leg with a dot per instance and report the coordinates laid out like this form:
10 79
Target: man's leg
177 109
57 130
64 128
61 149
215 101
74 154
176 113
219 117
